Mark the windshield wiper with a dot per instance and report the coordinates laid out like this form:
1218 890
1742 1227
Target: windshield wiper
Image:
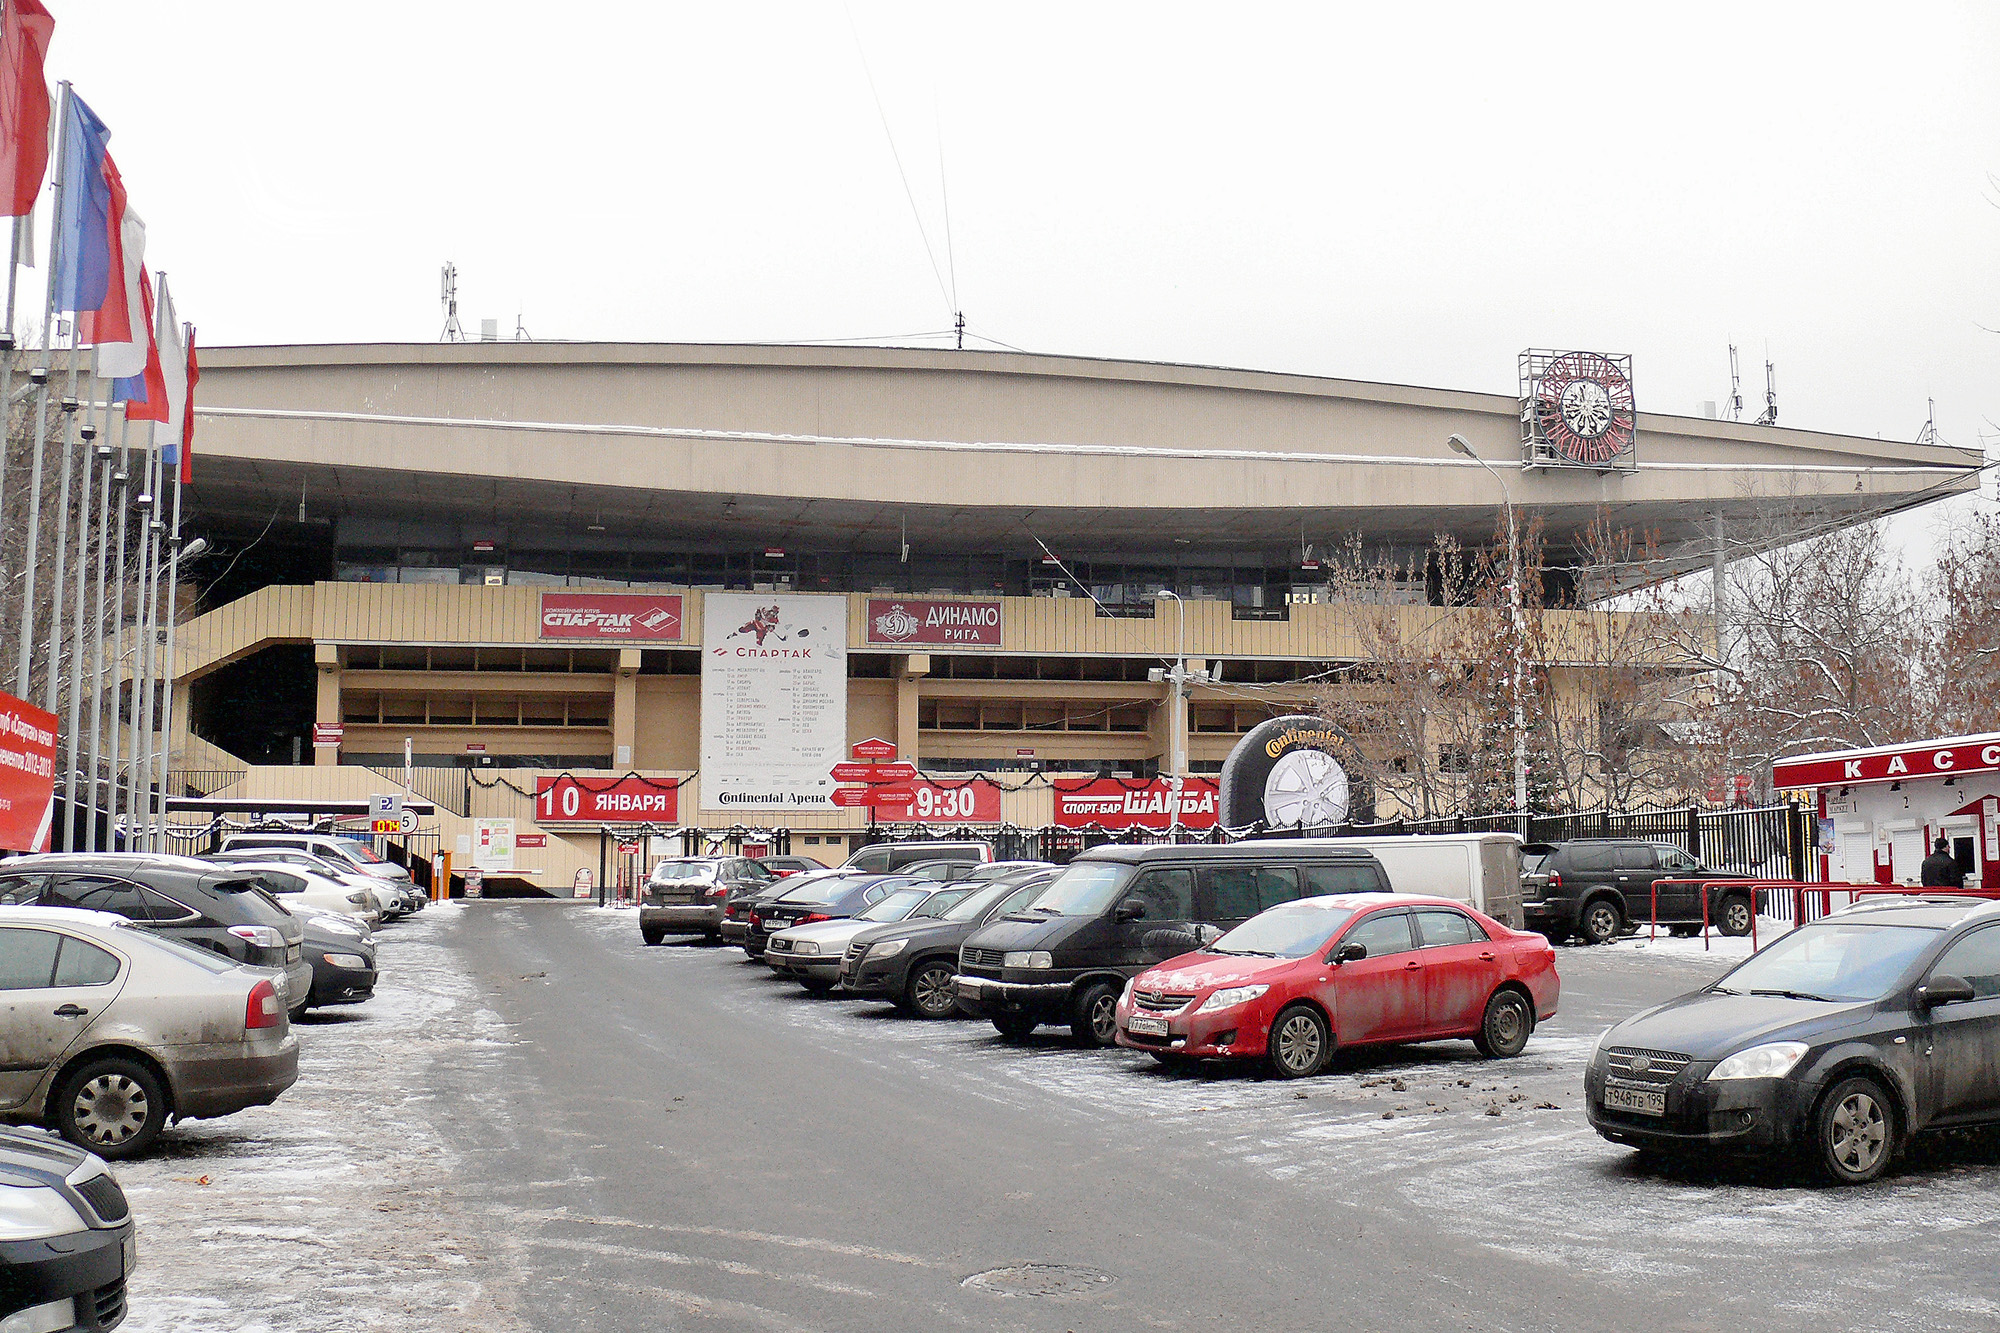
1723 990
1790 994
1243 953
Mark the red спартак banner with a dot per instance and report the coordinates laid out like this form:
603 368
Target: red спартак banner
628 617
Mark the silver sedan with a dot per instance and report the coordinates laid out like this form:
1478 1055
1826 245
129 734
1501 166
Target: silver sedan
108 1031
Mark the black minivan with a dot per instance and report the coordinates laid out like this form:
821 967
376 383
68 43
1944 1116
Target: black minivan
1115 911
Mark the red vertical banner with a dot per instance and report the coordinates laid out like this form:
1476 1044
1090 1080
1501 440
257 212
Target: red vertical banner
27 775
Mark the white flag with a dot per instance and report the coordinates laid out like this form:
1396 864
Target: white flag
174 369
126 359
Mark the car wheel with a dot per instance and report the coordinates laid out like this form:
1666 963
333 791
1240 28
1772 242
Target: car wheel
114 1108
294 1015
1015 1027
1094 1020
932 991
1503 1032
1300 1042
652 934
1854 1131
1600 921
1736 915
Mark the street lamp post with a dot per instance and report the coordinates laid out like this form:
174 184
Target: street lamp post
1460 445
1180 678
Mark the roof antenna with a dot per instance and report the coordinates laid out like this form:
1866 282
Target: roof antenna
521 334
958 322
454 332
1735 387
1770 414
1929 435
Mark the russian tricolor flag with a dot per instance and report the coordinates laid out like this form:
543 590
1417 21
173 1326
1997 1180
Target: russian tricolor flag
84 261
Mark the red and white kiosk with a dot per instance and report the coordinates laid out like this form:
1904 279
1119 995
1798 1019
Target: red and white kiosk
1880 808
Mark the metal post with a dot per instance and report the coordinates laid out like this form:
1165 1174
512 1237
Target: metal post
96 756
149 634
7 359
123 478
71 749
24 665
171 664
1719 574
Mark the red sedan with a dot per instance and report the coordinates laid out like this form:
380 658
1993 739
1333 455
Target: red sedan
1290 984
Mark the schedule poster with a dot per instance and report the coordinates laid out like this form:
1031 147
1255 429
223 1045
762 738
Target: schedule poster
773 700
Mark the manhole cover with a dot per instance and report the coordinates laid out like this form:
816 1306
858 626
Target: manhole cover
1039 1280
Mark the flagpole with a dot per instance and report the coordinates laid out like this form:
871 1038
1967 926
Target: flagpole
24 665
7 361
95 756
142 720
74 774
168 670
124 479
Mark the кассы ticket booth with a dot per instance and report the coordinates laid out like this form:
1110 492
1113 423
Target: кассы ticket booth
1880 808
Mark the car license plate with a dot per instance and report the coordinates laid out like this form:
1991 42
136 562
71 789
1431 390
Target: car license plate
969 987
1646 1101
131 1248
1151 1027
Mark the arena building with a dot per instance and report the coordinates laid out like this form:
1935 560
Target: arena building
523 560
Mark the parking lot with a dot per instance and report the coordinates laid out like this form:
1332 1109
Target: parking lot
540 1124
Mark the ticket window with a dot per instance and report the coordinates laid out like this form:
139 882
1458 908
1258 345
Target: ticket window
1964 838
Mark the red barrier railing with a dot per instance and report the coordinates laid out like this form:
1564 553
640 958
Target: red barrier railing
1798 891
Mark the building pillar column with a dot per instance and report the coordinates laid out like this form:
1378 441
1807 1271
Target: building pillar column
625 708
326 705
910 670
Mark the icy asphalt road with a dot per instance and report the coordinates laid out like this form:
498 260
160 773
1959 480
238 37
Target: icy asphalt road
542 1125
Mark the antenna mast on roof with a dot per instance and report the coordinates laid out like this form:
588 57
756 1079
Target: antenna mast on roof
1770 415
1929 435
1735 387
448 293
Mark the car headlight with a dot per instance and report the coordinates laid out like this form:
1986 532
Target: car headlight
350 960
1231 997
1603 1045
887 948
29 1213
1771 1060
1036 958
804 946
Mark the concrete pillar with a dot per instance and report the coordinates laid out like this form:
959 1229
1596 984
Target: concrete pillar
625 708
326 706
909 671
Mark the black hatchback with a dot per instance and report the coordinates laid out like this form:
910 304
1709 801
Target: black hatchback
196 902
1837 1043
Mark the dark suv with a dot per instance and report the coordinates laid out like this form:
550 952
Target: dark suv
193 901
687 895
1595 887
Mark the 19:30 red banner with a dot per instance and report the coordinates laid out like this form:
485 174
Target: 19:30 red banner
933 803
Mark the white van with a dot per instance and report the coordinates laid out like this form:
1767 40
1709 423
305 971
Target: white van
1481 870
340 851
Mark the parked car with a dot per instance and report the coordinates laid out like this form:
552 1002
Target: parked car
756 931
296 886
914 963
353 852
66 1242
340 872
1835 1044
190 900
687 895
945 870
882 858
1595 888
108 1031
1289 985
1480 870
821 898
343 965
1116 910
785 866
811 953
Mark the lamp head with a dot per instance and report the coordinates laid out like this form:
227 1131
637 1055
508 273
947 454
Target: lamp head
194 548
1459 445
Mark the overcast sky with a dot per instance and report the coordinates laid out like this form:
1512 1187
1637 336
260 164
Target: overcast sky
1383 192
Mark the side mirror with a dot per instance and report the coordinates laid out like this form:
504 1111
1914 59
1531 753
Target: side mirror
1352 951
1944 990
1131 910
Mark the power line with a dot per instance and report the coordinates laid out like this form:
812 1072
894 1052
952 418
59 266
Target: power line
889 134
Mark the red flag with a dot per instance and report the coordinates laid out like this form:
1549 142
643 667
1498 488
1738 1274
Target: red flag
187 417
112 321
154 408
25 29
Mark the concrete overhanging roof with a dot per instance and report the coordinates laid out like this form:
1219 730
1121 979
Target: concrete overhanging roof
973 452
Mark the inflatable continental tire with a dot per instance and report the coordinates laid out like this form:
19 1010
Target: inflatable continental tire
1293 772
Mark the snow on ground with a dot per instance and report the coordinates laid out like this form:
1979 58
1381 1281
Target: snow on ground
1496 1151
332 1209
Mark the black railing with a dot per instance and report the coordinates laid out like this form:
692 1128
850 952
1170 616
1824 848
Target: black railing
447 788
